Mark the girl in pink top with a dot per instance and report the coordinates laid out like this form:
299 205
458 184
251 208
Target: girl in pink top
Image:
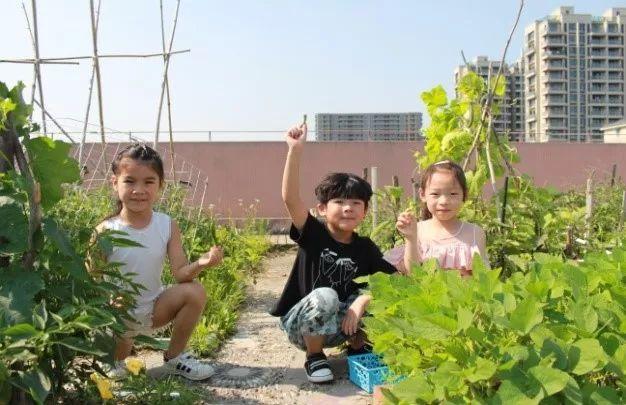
440 234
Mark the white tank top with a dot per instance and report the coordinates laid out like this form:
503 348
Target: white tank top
146 261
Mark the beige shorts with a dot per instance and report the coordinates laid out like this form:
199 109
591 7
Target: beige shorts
143 322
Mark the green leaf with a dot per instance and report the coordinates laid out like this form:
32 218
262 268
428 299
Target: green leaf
414 388
448 375
52 167
35 382
551 379
13 226
17 290
586 355
435 98
511 392
600 395
79 345
484 370
526 315
464 318
40 316
21 331
584 316
151 342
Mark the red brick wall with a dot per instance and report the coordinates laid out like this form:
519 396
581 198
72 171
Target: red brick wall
253 170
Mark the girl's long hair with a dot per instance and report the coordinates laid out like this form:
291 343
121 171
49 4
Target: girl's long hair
444 165
140 153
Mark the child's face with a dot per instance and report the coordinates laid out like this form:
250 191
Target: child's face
443 195
343 214
137 185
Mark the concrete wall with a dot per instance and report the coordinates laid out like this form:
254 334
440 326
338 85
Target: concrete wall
253 170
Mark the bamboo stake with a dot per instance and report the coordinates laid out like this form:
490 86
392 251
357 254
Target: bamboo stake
167 92
36 65
206 183
32 39
167 65
96 63
88 110
492 175
374 199
588 206
490 93
33 61
64 60
613 173
623 214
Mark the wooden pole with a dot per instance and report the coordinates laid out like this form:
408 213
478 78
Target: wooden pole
365 173
504 200
395 181
36 65
588 206
88 110
65 60
374 197
96 64
613 173
163 83
622 218
167 93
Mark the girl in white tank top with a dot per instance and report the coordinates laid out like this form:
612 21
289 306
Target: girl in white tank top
137 180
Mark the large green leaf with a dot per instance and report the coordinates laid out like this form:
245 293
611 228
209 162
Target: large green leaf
35 382
13 226
551 379
586 355
52 167
17 289
526 315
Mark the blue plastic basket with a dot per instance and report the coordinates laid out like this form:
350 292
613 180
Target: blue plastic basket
368 370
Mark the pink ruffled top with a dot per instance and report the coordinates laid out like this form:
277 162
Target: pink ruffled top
451 252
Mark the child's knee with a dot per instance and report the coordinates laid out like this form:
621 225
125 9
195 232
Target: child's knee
195 293
326 299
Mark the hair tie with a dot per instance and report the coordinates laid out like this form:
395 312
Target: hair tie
441 162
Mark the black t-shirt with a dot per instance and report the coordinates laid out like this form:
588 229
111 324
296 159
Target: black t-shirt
324 262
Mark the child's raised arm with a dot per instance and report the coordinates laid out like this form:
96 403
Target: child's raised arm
296 138
407 226
182 270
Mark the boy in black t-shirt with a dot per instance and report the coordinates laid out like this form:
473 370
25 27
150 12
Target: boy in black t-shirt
321 305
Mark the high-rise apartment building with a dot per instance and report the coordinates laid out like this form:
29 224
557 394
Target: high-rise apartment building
510 119
574 75
368 126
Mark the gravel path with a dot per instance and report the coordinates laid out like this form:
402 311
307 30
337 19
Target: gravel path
259 366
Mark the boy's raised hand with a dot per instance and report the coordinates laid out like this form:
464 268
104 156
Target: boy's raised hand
211 258
406 225
296 136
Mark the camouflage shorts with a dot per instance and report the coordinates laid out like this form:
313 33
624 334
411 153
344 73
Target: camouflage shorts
319 313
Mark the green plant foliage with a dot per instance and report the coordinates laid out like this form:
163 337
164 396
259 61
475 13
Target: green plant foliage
552 332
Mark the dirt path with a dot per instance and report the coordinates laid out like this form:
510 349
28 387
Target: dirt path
258 365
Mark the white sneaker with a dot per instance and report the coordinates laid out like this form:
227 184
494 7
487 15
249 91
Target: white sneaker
189 367
118 371
318 369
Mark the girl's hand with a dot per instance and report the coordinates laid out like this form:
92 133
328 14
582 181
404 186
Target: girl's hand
296 136
211 258
407 225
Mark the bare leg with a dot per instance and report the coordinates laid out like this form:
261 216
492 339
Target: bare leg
123 347
181 304
314 344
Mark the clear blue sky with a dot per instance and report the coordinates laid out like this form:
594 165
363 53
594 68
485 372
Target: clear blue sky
259 65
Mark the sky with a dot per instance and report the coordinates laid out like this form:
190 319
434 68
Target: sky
260 65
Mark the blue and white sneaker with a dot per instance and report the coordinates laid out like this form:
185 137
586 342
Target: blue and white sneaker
189 367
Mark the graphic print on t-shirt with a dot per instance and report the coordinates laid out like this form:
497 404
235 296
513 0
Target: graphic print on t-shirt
338 270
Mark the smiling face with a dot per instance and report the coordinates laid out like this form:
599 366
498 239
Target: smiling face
443 195
137 185
343 215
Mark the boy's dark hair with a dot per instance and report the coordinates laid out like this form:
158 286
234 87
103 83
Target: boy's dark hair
343 185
